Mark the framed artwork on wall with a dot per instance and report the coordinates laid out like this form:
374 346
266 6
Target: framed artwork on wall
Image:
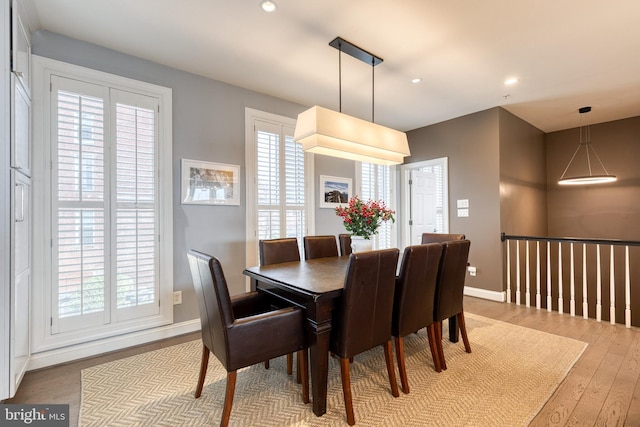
334 191
207 183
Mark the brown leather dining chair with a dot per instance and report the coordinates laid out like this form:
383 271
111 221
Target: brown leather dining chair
363 319
276 251
241 330
440 237
414 300
450 290
345 244
319 247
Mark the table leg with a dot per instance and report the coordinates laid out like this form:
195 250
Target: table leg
319 360
454 331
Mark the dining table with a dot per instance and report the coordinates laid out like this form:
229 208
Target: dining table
316 286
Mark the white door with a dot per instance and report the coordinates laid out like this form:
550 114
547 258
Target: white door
423 204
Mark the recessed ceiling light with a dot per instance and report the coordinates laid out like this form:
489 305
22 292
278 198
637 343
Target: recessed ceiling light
511 81
268 5
416 80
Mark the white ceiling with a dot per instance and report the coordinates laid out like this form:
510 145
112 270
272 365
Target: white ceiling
566 53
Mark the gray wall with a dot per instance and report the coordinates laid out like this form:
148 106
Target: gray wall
208 125
523 185
472 145
608 211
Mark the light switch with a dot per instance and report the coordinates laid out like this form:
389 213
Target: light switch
463 203
463 212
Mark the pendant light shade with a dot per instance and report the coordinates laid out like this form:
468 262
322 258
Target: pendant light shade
586 151
332 133
328 132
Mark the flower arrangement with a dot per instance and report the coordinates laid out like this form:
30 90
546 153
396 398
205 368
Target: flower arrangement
363 218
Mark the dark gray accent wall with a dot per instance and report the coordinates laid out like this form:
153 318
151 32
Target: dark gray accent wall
208 125
471 144
523 185
607 211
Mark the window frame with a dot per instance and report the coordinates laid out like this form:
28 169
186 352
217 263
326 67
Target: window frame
42 291
251 117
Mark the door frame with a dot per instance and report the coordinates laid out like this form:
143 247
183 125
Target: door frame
405 195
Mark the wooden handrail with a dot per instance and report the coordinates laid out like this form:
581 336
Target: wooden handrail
615 242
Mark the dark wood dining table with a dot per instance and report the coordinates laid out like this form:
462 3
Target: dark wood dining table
316 286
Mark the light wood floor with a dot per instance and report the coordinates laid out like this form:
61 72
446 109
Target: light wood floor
602 389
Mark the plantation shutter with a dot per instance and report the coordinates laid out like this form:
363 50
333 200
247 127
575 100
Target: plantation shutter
280 182
104 197
375 184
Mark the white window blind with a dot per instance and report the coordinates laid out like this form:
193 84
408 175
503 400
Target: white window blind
280 180
375 184
105 222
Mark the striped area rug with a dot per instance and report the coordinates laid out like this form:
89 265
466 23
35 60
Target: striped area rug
508 377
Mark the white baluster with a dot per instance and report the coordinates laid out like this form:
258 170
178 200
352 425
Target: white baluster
598 285
508 274
612 290
585 306
549 299
538 275
572 285
528 277
517 272
560 297
627 290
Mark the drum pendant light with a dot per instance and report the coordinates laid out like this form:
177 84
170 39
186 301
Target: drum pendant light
332 133
589 152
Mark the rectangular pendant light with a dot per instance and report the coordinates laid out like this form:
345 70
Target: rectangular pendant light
324 131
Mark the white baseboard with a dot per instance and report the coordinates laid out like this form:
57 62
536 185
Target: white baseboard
94 348
485 294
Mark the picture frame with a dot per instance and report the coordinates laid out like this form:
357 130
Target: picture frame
208 183
334 191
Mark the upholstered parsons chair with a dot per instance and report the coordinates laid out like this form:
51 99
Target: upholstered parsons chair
414 301
320 247
243 330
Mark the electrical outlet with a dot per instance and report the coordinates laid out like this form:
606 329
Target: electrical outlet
472 271
177 297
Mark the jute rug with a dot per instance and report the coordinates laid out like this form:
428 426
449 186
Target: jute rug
509 376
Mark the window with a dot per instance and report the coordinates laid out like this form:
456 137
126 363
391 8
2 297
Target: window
109 264
278 195
376 184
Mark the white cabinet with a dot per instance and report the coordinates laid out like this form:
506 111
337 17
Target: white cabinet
20 128
21 283
20 47
15 262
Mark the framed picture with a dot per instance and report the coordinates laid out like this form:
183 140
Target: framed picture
334 191
206 183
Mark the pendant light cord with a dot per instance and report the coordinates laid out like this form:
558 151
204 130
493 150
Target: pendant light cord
373 85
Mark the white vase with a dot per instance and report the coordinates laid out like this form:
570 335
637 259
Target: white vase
360 244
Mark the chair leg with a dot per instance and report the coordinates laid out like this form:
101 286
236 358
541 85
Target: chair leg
388 358
463 331
443 362
303 373
401 365
203 370
228 398
266 364
346 390
298 370
435 354
289 363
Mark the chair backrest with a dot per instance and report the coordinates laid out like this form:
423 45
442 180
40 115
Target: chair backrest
214 302
345 244
451 276
319 247
440 237
275 251
364 317
416 288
